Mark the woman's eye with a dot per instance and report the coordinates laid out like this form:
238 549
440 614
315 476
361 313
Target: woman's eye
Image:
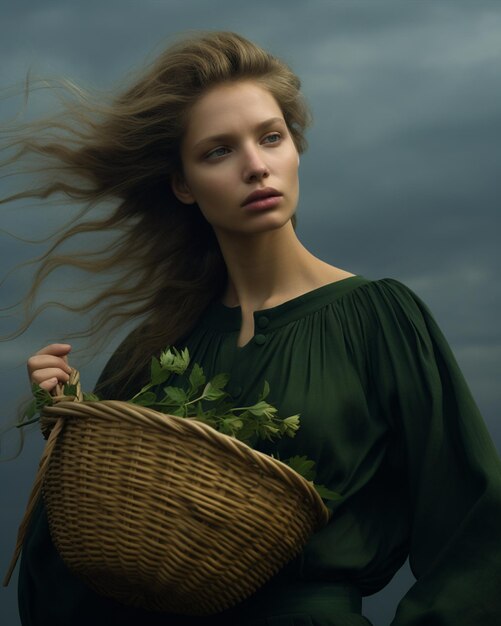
218 152
274 138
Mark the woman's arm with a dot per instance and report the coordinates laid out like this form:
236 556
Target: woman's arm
452 469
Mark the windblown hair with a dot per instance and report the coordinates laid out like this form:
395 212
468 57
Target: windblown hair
165 261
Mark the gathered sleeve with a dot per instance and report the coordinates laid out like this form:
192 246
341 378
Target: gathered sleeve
451 467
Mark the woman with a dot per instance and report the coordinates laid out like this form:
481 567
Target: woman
202 155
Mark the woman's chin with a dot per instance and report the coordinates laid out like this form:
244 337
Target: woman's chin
268 225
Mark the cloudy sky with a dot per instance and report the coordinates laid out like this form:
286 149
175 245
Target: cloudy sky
401 178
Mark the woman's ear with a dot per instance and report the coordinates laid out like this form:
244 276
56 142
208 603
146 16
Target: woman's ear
181 190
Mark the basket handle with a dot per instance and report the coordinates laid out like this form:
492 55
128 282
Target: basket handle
51 433
58 395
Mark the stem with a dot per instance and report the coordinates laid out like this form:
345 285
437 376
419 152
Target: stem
32 421
145 388
192 401
241 408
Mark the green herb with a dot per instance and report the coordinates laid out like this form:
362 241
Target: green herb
41 398
207 402
306 467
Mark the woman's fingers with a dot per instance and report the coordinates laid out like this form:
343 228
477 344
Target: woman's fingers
49 385
57 349
44 361
39 376
49 366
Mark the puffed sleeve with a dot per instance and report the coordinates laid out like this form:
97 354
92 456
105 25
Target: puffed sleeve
451 467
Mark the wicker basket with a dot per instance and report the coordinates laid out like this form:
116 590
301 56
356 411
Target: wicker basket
164 512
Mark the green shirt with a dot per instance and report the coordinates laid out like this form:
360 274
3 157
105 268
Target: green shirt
391 424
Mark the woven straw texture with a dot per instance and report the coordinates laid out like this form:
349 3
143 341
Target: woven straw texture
164 512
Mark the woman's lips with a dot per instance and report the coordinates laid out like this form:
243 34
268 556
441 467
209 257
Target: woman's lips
262 199
268 202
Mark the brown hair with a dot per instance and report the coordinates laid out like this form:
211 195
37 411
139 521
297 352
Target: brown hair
165 262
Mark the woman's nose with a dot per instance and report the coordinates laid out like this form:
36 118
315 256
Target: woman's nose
255 168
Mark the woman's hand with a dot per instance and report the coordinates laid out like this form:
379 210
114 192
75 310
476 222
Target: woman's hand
49 366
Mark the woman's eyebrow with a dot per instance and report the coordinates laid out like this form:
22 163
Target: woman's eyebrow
225 136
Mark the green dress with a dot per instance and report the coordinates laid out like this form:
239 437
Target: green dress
389 419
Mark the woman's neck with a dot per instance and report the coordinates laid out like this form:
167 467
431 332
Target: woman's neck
270 268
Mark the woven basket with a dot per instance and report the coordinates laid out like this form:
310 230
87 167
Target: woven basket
163 512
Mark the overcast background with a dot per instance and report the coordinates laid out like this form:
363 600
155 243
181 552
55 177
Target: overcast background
401 178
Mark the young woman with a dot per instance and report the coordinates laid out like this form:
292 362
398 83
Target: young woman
201 155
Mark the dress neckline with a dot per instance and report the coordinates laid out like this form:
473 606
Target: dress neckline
227 318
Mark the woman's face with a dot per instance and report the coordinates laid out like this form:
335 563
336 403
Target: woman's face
237 143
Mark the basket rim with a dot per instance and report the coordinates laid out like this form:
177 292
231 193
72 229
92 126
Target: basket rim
137 415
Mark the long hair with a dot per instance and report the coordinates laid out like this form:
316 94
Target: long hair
164 262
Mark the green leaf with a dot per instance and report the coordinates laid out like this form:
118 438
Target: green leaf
207 419
148 398
213 389
31 410
290 425
42 397
220 381
155 369
158 374
327 494
174 361
302 465
262 408
179 412
271 428
197 377
70 390
231 424
179 396
265 392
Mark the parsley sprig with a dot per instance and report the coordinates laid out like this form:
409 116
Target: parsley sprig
208 402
